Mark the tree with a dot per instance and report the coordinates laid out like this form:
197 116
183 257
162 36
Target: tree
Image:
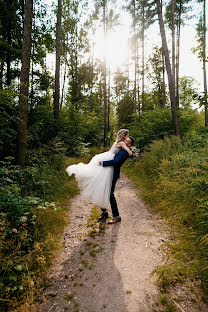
205 60
104 4
74 45
168 68
173 44
132 9
125 110
157 75
174 18
201 50
112 20
24 82
58 56
11 39
187 91
42 44
121 84
146 15
108 21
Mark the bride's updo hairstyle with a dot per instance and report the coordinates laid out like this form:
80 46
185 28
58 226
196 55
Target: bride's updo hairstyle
121 134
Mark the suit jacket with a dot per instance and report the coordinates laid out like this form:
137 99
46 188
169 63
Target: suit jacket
117 162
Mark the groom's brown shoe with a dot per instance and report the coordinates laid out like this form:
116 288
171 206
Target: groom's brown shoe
114 220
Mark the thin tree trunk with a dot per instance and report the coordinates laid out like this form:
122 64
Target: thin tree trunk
163 83
58 54
204 64
128 82
109 73
32 66
173 41
9 42
168 68
135 60
104 72
63 86
138 76
92 72
24 83
143 58
178 55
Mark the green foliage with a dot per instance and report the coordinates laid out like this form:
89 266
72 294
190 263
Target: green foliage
30 223
121 83
187 91
69 129
10 33
156 77
8 121
156 124
151 125
125 110
173 175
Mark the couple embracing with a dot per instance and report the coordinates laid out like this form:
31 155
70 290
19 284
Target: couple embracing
98 178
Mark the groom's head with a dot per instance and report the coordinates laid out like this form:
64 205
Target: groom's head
129 141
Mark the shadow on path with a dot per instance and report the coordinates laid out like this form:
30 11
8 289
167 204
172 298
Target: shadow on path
88 280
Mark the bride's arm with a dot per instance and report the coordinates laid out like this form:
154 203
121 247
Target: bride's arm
123 145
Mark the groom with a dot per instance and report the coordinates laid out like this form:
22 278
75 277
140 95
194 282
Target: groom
117 162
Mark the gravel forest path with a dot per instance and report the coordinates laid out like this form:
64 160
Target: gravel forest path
108 268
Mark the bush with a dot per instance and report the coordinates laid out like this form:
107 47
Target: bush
29 225
156 124
8 121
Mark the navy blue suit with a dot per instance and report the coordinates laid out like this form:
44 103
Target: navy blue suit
117 162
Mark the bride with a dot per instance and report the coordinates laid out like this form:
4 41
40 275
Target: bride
94 180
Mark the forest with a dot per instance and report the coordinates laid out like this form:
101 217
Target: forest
61 102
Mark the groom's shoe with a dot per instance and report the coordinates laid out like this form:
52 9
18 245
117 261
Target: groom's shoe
103 217
114 220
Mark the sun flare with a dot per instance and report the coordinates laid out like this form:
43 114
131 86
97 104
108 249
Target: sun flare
116 48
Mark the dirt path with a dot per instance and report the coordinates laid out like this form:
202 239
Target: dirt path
110 271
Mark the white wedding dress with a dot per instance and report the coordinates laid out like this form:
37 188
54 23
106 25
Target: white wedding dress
93 180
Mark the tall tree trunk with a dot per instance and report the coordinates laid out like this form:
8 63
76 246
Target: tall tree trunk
63 86
143 57
204 64
128 73
178 54
173 41
92 72
138 76
104 72
168 68
163 83
58 56
109 73
9 42
24 83
135 60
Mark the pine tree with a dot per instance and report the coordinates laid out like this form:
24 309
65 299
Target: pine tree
24 82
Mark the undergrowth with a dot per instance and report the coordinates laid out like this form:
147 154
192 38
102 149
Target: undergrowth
33 203
172 175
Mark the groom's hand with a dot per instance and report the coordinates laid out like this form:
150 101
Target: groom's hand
100 163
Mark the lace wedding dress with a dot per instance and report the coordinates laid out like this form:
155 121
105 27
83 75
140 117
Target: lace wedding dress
93 180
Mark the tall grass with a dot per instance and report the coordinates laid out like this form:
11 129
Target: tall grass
173 177
33 204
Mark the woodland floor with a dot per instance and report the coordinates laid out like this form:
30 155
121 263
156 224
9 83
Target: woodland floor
109 268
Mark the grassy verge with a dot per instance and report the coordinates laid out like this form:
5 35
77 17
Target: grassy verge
33 204
173 177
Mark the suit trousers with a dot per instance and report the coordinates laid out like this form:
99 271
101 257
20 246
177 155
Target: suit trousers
113 202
